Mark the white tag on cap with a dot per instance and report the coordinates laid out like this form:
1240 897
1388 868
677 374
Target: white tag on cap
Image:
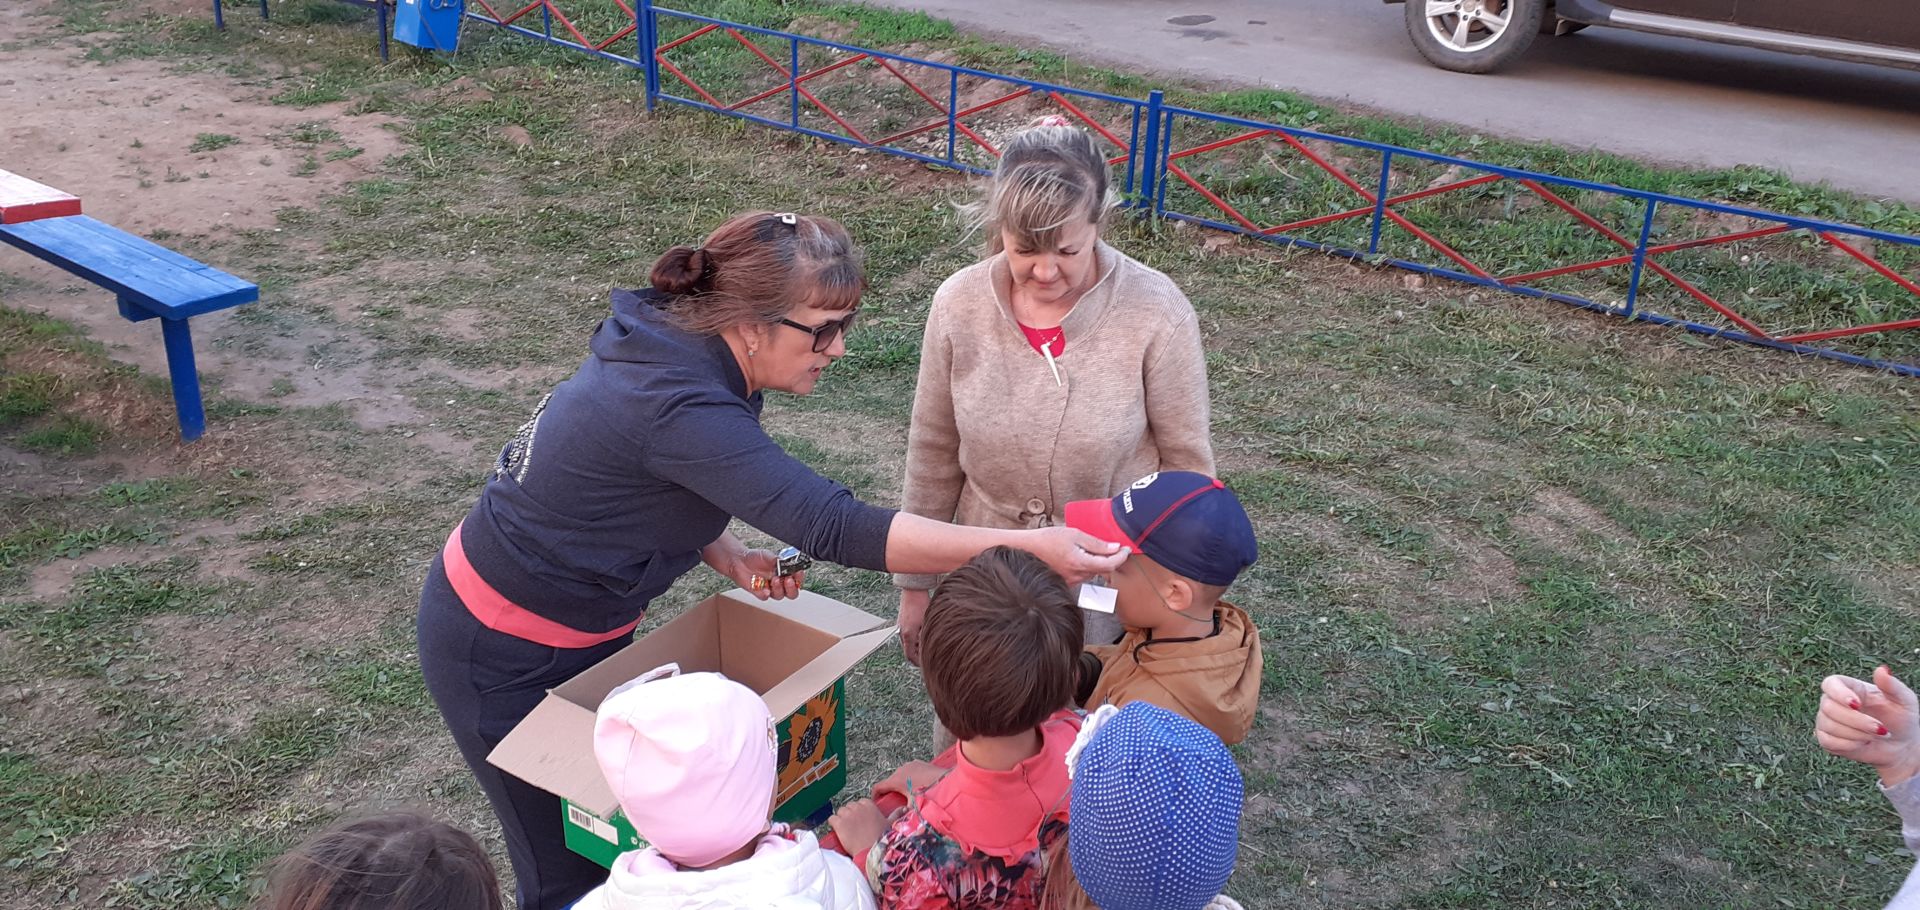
1098 599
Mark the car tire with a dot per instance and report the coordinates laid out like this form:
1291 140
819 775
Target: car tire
1488 40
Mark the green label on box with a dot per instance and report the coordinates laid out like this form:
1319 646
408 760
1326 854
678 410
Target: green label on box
812 771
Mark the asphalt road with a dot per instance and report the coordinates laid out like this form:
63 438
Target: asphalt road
1666 100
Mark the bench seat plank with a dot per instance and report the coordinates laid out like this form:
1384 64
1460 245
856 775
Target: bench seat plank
27 200
158 279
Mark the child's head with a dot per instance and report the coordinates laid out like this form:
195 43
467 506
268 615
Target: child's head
1190 538
999 645
691 759
395 861
1156 811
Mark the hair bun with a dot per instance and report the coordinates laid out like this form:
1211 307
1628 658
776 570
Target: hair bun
681 270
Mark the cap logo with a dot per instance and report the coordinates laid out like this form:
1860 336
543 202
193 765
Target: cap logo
1126 497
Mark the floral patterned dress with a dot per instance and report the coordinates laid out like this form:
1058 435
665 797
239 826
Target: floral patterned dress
978 839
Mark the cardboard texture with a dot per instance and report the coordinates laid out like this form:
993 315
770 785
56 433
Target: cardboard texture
795 653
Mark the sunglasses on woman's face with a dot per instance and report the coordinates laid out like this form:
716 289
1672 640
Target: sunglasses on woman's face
824 333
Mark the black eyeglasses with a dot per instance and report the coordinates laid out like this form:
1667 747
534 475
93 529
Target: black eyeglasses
824 333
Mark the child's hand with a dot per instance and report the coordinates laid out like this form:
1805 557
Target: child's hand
1877 723
859 825
914 777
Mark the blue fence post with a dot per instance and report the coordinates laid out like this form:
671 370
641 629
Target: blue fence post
793 79
648 30
1133 149
1149 154
1640 257
1163 166
384 27
546 20
1380 202
953 110
219 18
263 10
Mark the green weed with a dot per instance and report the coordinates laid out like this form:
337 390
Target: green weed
212 142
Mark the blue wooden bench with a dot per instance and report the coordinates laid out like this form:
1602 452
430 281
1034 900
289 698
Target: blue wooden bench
151 282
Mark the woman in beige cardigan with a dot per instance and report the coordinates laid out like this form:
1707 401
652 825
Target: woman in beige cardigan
1056 369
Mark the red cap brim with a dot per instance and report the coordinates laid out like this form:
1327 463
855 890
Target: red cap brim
1095 516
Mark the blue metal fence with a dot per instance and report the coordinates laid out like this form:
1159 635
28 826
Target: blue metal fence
1617 251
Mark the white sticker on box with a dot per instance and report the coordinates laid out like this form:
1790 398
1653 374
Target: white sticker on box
587 821
1098 599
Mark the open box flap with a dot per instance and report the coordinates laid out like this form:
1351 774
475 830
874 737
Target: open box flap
691 639
819 673
553 749
823 613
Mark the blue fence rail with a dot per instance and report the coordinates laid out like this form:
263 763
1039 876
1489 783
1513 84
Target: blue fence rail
1610 249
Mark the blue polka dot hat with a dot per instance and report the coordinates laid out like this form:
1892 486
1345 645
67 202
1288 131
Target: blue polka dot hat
1155 818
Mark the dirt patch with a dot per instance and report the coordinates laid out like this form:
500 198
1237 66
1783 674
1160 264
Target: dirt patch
1479 571
160 153
1567 524
1284 736
1895 587
42 719
147 149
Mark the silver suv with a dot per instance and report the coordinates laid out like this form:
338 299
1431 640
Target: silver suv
1480 36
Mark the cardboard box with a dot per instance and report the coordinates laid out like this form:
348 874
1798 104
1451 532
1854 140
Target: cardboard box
795 653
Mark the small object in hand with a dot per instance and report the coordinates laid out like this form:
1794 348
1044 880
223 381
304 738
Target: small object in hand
793 562
757 583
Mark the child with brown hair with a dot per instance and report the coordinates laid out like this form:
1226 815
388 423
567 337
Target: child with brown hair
998 651
393 861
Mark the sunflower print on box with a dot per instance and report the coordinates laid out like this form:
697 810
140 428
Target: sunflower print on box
807 752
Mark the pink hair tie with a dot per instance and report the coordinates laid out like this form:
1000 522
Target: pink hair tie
1054 120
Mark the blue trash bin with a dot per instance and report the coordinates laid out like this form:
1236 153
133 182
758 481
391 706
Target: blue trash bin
430 24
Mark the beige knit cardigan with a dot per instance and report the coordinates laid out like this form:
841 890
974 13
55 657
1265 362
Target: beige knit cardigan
1002 439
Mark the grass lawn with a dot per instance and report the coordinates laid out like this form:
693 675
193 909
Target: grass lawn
1545 598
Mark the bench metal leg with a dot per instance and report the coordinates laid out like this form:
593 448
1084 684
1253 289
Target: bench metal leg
186 379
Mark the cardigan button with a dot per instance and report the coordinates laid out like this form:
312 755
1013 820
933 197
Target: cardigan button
1036 507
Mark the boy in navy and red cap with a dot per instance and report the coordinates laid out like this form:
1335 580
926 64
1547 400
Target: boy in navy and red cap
1185 649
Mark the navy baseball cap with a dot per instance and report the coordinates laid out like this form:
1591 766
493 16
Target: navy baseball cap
1188 522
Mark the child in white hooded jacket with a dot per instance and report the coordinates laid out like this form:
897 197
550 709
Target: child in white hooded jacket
691 759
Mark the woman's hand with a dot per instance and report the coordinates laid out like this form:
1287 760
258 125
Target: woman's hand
1877 723
752 570
913 612
858 825
1076 555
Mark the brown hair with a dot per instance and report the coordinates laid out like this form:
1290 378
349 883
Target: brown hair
1050 176
758 266
393 861
1000 644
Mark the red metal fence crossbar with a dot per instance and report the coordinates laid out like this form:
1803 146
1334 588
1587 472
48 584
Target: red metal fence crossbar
1387 209
943 116
549 9
1145 151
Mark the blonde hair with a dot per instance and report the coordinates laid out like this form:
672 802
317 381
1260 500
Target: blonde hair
1050 176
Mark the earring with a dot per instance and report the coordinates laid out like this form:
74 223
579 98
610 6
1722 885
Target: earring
752 351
